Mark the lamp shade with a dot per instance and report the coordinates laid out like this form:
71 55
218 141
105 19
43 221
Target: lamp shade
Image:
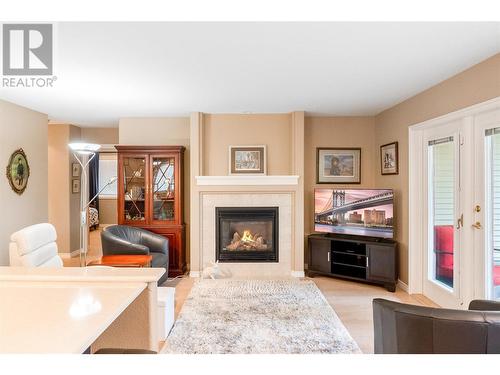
84 148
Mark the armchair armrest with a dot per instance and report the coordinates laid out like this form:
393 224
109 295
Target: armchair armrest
115 245
155 242
484 305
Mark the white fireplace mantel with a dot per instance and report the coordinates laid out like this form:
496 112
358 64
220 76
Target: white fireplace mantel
242 180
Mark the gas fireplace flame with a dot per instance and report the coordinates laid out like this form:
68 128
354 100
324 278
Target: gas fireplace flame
247 241
247 236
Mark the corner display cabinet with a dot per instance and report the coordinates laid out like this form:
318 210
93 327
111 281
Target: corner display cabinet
150 195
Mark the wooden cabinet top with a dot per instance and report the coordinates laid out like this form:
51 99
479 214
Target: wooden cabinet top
152 149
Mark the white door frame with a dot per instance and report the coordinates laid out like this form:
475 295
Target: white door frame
417 225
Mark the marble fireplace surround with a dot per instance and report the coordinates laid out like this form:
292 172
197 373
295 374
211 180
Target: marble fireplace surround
270 192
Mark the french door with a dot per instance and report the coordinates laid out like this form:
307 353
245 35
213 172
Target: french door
444 276
455 206
487 208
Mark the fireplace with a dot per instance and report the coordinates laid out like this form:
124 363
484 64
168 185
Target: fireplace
246 234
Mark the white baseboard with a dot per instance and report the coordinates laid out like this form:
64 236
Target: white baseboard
298 274
403 286
194 274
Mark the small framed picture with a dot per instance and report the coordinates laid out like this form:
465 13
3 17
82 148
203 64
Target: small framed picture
18 171
389 158
75 170
338 165
247 160
75 186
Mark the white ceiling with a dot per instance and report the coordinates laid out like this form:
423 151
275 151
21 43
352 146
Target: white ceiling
107 71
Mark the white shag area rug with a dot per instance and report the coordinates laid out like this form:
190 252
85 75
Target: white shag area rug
258 317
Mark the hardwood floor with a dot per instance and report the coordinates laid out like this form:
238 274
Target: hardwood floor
351 301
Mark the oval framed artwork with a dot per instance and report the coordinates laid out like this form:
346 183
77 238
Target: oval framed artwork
18 171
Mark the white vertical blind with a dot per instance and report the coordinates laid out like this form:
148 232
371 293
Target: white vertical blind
495 186
443 181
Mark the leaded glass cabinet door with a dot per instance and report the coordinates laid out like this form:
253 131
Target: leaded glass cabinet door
163 188
134 175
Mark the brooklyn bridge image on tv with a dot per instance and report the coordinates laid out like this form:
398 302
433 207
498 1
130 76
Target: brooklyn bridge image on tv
358 212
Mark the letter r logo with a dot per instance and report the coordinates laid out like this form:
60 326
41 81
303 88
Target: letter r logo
27 49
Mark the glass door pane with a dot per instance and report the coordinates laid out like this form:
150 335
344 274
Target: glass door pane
163 188
441 171
493 209
134 184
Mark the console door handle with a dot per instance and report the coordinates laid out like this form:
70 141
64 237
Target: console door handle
328 256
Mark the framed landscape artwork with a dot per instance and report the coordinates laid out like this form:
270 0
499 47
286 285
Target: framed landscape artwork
247 160
18 171
389 158
338 165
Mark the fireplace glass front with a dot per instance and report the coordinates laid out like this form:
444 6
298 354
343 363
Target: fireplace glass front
247 234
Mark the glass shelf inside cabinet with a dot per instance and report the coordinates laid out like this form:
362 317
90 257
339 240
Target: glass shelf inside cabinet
163 188
134 169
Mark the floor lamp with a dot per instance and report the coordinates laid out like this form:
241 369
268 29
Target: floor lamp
84 153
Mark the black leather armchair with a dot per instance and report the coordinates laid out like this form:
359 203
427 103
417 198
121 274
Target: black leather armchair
409 329
122 239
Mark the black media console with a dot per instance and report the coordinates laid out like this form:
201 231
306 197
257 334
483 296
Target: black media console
362 259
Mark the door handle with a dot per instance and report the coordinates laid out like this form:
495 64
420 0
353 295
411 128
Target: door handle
477 225
460 221
328 256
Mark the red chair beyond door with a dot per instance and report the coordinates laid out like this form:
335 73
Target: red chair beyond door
443 248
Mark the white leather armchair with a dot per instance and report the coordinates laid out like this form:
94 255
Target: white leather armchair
35 246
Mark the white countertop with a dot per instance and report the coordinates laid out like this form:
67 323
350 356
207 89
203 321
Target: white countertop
94 273
55 317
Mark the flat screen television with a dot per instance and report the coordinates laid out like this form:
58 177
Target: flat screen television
358 212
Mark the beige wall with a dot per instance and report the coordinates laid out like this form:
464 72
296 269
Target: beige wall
475 85
26 129
75 135
64 206
59 186
221 131
336 132
161 131
102 136
154 131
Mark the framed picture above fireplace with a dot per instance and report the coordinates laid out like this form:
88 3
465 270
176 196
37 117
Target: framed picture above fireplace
247 160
